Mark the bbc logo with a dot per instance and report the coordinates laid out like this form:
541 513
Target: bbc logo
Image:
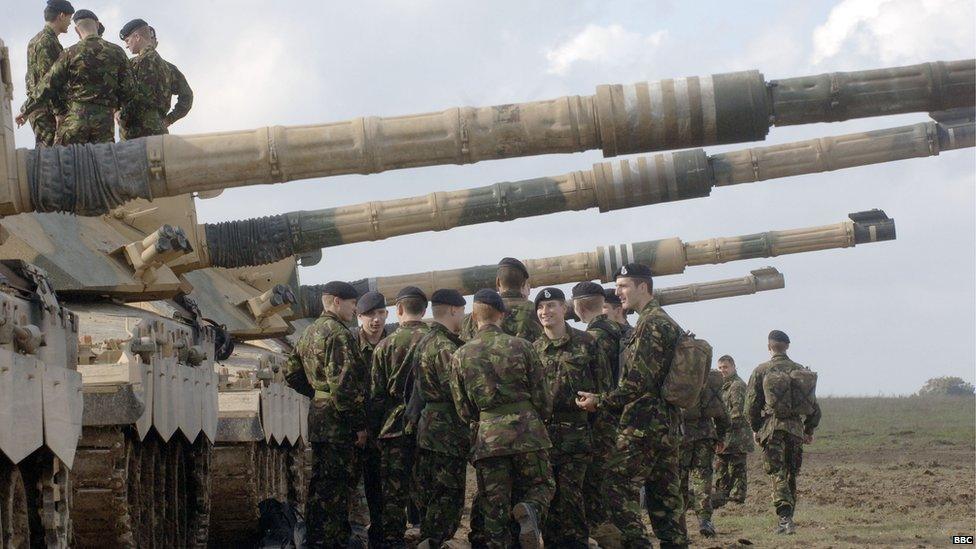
962 540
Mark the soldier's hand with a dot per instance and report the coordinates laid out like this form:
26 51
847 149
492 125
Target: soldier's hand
586 401
21 120
807 439
361 439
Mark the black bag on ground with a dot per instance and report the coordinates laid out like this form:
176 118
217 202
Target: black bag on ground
281 525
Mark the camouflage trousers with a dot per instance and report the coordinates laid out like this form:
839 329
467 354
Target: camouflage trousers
730 478
782 457
86 123
594 495
505 481
566 524
440 478
333 470
396 473
45 126
696 476
369 459
359 519
654 461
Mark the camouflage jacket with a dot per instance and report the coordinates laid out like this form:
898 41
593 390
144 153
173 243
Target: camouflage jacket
92 71
332 365
391 375
499 387
144 114
644 363
571 363
703 427
42 51
179 87
761 417
440 428
607 335
520 320
738 439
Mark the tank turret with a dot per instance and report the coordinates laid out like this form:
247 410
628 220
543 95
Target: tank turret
618 119
665 257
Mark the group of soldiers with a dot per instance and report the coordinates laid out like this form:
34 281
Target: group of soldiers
567 429
76 95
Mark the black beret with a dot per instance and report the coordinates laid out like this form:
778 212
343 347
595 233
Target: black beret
446 296
490 298
61 6
611 296
410 292
515 263
633 270
340 289
369 302
587 289
84 14
549 294
779 336
131 26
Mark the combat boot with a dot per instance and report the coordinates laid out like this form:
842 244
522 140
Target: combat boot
786 526
530 535
706 528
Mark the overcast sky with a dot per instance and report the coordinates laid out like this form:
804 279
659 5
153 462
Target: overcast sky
879 318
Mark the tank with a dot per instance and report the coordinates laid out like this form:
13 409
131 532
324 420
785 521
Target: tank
618 119
664 257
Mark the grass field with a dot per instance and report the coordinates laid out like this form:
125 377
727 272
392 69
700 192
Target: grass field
882 472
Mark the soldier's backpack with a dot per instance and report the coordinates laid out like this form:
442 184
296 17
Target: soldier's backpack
790 394
803 384
712 405
692 359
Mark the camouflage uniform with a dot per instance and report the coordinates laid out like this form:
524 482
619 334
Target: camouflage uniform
92 78
571 363
179 87
392 373
701 434
144 114
498 387
781 438
366 499
647 441
607 336
42 51
520 320
442 439
731 462
327 355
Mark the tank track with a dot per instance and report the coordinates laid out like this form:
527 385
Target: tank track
35 502
140 493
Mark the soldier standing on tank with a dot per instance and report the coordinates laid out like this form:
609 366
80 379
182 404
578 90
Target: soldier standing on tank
42 51
327 363
703 437
731 462
392 374
92 79
572 362
499 388
782 439
512 283
647 449
442 436
588 301
178 87
144 115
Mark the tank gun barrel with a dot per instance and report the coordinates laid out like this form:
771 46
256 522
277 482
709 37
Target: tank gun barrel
665 257
614 185
619 119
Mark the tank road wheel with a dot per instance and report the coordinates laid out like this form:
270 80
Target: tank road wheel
160 450
100 495
147 481
14 518
55 488
198 492
180 503
134 493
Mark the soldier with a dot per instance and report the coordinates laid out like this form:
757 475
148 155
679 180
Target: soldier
179 87
703 437
442 437
327 363
145 113
92 78
781 438
392 373
42 51
588 301
512 282
615 311
571 362
731 462
499 388
647 443
372 314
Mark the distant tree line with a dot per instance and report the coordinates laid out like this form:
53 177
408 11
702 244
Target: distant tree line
947 386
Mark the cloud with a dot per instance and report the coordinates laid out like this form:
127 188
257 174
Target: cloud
895 31
607 45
